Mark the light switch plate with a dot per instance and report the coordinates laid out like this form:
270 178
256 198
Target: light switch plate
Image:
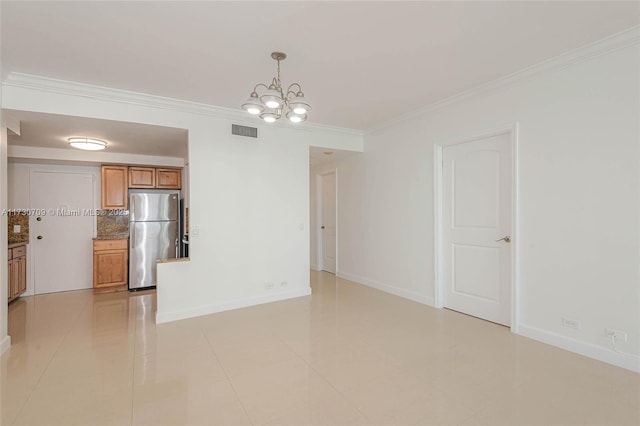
16 229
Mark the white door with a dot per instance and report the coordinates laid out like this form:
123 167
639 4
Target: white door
476 230
328 223
61 239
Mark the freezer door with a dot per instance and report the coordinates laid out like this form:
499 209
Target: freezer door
149 242
153 206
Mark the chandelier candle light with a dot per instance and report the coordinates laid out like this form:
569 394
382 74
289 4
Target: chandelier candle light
273 102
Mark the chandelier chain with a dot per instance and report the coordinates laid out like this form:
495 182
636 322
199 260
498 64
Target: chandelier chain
279 84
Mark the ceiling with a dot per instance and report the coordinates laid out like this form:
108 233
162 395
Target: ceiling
52 131
359 63
318 156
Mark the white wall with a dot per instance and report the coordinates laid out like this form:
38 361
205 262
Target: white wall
19 181
578 171
249 198
254 221
5 340
19 197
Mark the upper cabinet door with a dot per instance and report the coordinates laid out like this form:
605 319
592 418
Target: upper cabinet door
168 178
114 187
142 177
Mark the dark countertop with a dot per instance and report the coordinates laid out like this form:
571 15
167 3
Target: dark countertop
111 237
17 244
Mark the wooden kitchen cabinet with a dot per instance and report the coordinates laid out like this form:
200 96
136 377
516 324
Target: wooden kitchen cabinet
142 177
150 177
116 181
168 178
13 280
17 267
110 265
114 185
22 274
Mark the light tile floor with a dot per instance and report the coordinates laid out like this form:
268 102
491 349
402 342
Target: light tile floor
347 355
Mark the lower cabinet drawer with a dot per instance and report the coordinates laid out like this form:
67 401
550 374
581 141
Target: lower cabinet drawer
99 245
19 251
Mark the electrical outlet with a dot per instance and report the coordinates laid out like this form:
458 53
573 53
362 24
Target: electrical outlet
571 323
268 286
619 335
16 229
283 284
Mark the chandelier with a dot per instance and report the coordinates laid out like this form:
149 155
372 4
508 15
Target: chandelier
272 103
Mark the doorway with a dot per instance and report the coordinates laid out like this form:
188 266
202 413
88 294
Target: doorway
61 237
327 233
475 227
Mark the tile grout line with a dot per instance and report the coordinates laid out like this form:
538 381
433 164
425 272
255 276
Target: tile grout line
13 420
213 352
44 370
328 382
133 367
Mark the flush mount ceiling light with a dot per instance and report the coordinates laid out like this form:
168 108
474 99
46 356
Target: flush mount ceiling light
87 144
273 103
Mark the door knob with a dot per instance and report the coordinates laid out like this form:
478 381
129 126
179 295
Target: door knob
322 227
39 237
506 239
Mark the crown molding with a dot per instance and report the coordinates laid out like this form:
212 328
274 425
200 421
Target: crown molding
65 87
601 47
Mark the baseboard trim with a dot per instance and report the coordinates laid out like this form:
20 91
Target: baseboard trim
406 294
620 359
5 344
162 317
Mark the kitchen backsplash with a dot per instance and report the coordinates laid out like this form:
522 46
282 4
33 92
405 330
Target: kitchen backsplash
112 224
21 220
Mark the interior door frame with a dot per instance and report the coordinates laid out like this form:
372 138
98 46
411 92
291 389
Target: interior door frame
319 218
512 131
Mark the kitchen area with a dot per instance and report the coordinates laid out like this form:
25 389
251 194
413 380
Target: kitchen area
142 221
97 220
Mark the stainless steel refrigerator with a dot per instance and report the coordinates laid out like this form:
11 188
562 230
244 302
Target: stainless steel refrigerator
153 233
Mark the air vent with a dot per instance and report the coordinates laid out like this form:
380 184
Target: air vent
250 132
